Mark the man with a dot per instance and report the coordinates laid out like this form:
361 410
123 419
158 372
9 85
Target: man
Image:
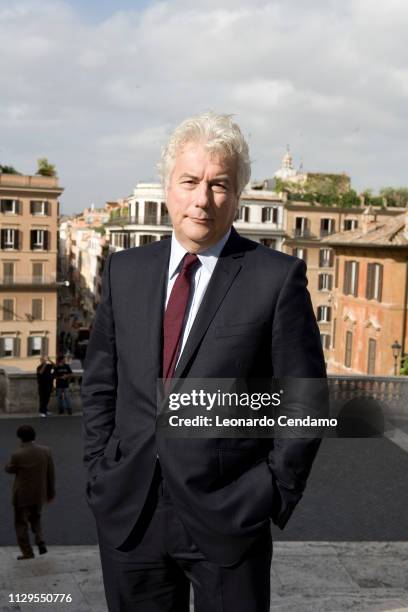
34 485
208 304
45 379
63 376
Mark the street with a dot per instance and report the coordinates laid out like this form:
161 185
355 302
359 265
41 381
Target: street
357 491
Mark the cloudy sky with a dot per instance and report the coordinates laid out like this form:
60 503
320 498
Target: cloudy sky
96 86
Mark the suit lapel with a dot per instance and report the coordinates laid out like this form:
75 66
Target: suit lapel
155 293
226 270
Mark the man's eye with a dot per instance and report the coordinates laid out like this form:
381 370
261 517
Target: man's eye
219 187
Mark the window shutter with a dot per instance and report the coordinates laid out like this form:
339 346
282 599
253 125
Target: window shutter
2 206
47 208
32 239
355 293
3 238
46 239
29 346
330 258
336 273
330 282
19 207
275 215
329 314
31 207
16 348
263 214
16 239
346 283
1 347
380 283
44 346
320 281
369 281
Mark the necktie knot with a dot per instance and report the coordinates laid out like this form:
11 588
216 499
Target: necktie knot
189 261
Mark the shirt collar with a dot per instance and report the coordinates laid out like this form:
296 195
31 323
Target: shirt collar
208 258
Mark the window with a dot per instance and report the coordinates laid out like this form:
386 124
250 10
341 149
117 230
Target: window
10 207
37 345
120 239
39 240
327 226
10 239
325 282
374 281
325 338
8 272
150 213
350 285
268 242
372 347
301 253
324 314
37 309
39 208
349 344
8 310
326 258
37 272
350 224
9 346
336 273
301 226
270 214
243 213
146 239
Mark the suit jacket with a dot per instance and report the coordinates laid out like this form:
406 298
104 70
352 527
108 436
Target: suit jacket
34 483
255 320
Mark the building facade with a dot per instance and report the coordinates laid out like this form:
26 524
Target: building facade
369 299
28 269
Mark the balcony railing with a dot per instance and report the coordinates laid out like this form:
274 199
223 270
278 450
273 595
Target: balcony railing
10 282
300 232
134 220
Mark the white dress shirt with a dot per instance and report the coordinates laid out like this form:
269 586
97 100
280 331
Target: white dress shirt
208 260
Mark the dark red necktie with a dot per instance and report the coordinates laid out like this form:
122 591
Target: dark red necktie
175 313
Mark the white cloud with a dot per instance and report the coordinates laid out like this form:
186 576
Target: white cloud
327 77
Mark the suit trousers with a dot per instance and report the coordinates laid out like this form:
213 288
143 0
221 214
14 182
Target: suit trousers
153 569
23 517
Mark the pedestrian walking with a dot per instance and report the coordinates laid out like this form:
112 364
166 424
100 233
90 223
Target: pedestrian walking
34 486
45 380
63 376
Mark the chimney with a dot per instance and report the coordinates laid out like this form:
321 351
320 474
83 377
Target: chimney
369 218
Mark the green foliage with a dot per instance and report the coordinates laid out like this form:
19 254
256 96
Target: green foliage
100 230
404 367
395 196
8 170
45 168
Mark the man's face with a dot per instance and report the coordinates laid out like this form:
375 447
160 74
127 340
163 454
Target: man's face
201 197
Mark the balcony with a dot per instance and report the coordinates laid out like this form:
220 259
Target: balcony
300 232
149 220
31 283
326 232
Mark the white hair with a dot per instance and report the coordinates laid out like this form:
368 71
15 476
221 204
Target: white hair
218 134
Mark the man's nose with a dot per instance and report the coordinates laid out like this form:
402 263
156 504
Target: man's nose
202 195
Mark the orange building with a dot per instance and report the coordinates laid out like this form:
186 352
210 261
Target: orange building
370 296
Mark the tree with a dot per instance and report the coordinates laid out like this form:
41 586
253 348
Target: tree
45 168
8 170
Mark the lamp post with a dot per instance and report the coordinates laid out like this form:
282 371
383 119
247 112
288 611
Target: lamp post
396 349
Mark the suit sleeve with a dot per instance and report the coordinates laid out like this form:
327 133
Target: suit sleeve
296 353
99 383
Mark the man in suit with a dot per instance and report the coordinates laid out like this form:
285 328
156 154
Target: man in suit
34 485
207 304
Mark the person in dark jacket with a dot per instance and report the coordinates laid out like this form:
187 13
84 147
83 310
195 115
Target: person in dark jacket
45 380
63 376
34 486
